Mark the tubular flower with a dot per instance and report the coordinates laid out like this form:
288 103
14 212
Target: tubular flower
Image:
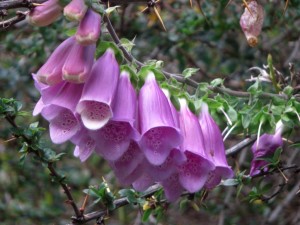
95 105
129 161
85 144
214 148
79 63
51 72
75 10
114 138
159 132
172 187
251 22
89 28
45 14
60 112
265 146
194 173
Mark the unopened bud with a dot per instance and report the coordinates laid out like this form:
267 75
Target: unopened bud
75 10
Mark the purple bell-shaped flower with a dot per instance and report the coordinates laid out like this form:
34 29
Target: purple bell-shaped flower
89 28
75 10
159 132
51 72
214 148
95 105
193 173
45 14
265 146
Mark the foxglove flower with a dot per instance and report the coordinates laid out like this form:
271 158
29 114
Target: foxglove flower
133 176
89 28
51 72
45 14
114 138
172 187
214 148
143 182
194 173
95 105
129 161
165 170
79 63
251 22
75 10
159 132
265 146
85 144
60 112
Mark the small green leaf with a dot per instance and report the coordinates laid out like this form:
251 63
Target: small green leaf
127 44
217 82
71 32
188 72
146 215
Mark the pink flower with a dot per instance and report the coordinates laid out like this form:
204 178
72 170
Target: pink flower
89 28
45 14
75 10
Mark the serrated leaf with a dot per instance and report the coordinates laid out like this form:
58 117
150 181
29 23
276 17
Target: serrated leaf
216 82
127 44
188 72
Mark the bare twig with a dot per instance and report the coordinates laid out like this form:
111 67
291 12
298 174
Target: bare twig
13 4
8 23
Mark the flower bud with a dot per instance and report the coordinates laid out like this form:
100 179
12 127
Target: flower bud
75 10
89 28
251 22
45 14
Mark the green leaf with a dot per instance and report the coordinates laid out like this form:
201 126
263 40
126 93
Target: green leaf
71 32
104 45
127 44
188 72
217 82
146 215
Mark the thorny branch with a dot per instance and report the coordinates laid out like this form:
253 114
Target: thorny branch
52 171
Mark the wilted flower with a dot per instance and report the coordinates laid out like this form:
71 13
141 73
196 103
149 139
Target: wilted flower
194 173
265 146
51 72
79 63
89 28
75 10
252 21
95 105
159 132
214 148
45 14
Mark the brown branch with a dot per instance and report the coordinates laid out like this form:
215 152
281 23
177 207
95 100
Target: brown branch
13 4
8 23
179 77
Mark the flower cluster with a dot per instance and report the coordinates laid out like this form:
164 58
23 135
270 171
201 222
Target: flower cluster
143 137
